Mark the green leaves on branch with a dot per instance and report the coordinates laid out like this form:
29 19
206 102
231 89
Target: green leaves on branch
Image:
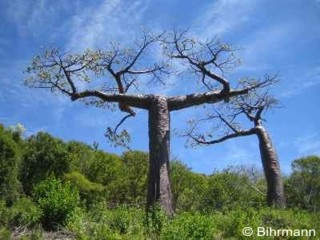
57 201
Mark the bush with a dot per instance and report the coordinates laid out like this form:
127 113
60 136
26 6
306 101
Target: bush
45 156
90 192
5 234
102 223
24 213
9 165
229 225
188 226
57 201
4 213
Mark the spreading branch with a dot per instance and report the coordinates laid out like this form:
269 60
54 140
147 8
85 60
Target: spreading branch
252 106
207 59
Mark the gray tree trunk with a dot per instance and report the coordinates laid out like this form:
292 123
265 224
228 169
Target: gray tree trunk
159 189
275 192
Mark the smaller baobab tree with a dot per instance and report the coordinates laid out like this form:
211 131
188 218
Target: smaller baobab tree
227 120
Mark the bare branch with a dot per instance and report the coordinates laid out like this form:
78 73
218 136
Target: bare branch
204 57
180 102
138 101
252 105
200 140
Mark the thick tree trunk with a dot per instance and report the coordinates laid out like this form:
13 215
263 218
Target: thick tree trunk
159 189
275 192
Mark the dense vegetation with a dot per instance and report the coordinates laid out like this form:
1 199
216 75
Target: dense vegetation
49 186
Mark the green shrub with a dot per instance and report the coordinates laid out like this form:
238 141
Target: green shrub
188 226
5 234
24 213
4 213
57 201
9 165
89 192
229 225
103 223
154 221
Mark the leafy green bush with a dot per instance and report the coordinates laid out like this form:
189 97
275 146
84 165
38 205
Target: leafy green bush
45 156
5 234
90 192
4 213
227 190
24 213
103 223
303 185
188 226
154 221
9 165
57 201
229 225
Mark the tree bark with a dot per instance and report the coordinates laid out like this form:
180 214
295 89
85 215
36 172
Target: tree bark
159 189
275 192
195 99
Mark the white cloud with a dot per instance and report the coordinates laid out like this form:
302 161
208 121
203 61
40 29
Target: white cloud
239 154
33 17
268 44
223 16
19 97
303 79
111 20
308 144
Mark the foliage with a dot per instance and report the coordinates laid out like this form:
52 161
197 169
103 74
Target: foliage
112 190
132 185
103 223
303 186
9 166
5 234
81 156
155 221
44 157
227 190
57 200
188 226
184 184
24 212
90 192
230 224
104 168
4 213
129 223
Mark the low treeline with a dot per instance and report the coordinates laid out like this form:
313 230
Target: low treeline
71 188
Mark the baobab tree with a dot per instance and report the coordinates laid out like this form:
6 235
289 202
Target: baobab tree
252 107
102 77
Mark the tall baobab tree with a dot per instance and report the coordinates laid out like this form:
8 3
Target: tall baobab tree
252 107
113 76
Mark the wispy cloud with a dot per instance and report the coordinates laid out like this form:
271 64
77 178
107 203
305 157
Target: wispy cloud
23 101
301 80
35 17
266 43
308 144
110 20
222 16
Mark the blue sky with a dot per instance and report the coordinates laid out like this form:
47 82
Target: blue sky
280 36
